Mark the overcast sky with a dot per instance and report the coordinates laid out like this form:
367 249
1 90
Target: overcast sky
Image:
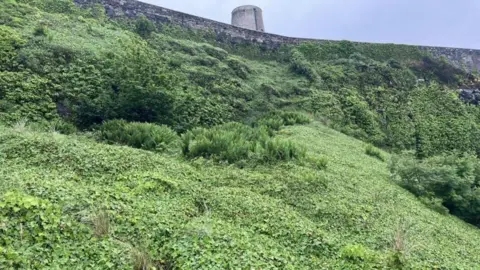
450 23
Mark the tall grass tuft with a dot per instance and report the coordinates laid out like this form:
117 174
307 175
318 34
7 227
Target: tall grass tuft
276 119
234 142
101 224
141 260
140 135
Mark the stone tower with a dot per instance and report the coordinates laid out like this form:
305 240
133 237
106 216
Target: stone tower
249 17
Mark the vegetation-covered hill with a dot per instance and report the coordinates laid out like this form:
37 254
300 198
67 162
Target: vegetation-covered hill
243 155
199 215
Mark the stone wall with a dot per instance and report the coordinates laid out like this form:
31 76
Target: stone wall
470 59
467 58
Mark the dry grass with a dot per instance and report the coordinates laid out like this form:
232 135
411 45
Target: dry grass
400 245
101 224
400 241
141 260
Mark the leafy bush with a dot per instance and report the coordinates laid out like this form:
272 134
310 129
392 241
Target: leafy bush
301 66
63 127
234 142
97 11
360 115
40 30
197 110
239 67
144 27
374 152
326 104
135 87
443 182
140 135
206 61
218 53
357 254
10 43
28 95
320 163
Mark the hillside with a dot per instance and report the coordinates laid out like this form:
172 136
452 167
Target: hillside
125 144
202 215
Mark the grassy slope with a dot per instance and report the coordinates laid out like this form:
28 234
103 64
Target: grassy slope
366 207
94 40
201 215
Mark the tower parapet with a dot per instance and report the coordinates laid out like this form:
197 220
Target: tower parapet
248 17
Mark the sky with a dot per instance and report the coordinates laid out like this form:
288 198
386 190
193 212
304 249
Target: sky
448 23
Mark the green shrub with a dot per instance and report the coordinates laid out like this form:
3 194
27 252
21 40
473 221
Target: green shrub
325 104
206 61
140 135
116 92
239 67
447 183
374 152
144 27
435 204
97 11
193 110
320 163
301 66
270 90
235 142
28 95
10 43
175 62
357 254
360 115
360 257
63 127
40 30
218 53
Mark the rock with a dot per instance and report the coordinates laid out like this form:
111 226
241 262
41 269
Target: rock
471 96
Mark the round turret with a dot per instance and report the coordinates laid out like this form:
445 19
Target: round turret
249 17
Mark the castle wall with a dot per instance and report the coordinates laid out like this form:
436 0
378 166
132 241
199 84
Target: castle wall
131 8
